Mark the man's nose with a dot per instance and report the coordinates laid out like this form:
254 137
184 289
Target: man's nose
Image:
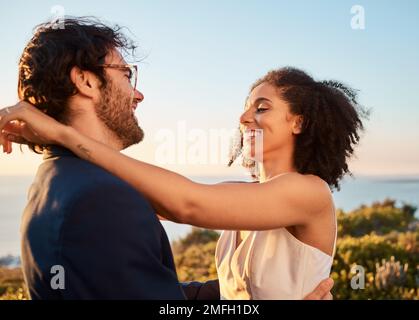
138 96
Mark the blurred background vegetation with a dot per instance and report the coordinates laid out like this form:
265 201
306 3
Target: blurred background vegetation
382 238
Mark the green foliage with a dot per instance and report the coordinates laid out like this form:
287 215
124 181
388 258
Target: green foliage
196 237
194 255
380 218
197 263
12 286
390 263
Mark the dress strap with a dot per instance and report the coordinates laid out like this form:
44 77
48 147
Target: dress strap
336 233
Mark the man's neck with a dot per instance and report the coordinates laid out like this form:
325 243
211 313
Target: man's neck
93 128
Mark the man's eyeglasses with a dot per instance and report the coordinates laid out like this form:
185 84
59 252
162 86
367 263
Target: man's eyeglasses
133 71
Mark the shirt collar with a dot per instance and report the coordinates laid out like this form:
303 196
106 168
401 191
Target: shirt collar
57 151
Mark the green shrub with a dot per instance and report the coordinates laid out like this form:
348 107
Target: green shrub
12 286
380 218
390 264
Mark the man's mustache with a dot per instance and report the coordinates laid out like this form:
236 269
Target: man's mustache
135 102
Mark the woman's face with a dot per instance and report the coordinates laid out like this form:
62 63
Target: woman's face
265 112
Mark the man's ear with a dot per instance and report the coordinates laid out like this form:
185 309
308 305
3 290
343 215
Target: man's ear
85 82
298 125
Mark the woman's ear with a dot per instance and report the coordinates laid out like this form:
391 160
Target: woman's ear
298 125
85 82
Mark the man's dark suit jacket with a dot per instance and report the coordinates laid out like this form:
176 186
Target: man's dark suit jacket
103 233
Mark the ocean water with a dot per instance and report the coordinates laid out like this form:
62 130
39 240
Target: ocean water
354 192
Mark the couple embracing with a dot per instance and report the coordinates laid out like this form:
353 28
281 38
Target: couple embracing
95 211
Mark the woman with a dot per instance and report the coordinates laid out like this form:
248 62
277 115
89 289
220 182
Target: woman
287 221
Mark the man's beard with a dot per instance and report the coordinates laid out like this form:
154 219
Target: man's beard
115 110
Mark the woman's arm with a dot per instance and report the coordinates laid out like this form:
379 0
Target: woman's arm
289 200
281 202
161 218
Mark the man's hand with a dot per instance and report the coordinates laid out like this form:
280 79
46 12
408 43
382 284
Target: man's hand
322 291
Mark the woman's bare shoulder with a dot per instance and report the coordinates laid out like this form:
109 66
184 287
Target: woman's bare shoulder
309 180
237 181
310 190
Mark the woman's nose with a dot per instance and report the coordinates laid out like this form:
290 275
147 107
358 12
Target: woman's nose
246 117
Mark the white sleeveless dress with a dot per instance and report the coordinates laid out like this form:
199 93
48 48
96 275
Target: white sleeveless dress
269 265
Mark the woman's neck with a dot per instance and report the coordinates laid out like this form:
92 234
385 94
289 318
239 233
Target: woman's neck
276 165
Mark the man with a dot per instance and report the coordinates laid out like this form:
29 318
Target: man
85 233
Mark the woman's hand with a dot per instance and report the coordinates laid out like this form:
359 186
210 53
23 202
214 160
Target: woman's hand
23 123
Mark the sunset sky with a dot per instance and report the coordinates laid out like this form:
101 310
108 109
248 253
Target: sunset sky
202 56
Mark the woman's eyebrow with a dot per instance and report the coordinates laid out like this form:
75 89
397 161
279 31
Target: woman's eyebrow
248 104
261 99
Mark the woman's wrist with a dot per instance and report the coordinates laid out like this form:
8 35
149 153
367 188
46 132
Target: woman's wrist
73 140
65 135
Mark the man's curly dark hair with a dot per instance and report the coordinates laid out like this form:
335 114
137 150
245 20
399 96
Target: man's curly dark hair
332 122
47 59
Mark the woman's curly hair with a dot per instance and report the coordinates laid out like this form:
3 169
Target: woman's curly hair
332 122
47 59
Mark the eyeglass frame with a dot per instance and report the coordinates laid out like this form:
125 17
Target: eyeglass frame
121 67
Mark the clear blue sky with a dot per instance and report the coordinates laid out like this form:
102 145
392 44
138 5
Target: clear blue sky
202 56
